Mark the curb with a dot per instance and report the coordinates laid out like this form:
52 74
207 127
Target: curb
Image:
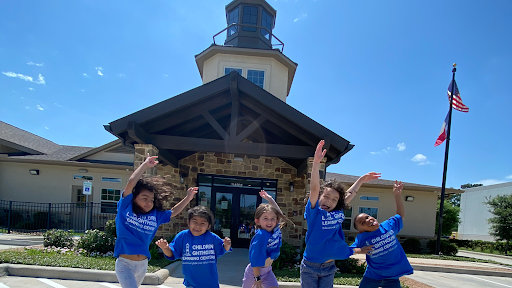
156 278
444 269
297 285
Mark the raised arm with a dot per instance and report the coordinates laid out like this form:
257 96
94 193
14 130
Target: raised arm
134 178
352 191
270 200
178 207
315 173
162 243
397 189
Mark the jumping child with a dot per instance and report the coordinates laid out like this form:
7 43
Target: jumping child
139 214
265 245
198 249
325 241
387 262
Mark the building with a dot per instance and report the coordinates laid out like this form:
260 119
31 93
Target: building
474 213
232 136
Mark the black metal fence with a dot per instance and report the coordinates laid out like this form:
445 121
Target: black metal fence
29 217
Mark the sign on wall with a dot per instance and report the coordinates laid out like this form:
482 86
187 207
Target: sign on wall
87 188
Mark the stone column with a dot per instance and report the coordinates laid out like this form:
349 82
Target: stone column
141 152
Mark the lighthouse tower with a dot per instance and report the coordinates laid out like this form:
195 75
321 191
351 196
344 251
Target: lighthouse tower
250 48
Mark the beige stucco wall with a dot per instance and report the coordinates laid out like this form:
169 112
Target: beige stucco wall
420 218
276 74
53 184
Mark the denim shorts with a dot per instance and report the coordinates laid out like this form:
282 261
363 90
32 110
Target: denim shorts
131 273
320 275
384 283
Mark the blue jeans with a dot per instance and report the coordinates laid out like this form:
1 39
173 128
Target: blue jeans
131 273
319 275
384 283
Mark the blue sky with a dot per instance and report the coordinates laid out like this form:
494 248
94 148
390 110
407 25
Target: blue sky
374 72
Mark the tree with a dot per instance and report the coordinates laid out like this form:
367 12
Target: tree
454 199
501 223
469 185
451 217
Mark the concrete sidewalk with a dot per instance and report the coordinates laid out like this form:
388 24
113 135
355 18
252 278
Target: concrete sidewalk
485 256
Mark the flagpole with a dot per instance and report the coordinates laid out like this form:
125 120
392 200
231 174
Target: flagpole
447 148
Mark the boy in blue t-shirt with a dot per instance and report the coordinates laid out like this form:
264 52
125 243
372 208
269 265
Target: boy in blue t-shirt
387 262
198 249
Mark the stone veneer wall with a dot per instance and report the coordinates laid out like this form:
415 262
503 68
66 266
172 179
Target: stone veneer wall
291 203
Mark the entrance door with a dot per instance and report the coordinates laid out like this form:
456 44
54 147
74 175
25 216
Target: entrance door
78 212
234 214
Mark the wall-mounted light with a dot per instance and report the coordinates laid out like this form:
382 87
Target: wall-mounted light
291 186
182 178
409 198
33 172
83 170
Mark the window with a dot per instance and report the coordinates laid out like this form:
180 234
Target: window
83 177
256 76
228 70
233 18
111 179
109 198
374 212
250 17
204 196
369 198
347 224
266 21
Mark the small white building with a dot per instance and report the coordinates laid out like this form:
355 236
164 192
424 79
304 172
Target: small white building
474 213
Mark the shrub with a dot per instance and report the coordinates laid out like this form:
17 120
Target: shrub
95 241
110 228
412 245
288 255
447 248
351 266
40 220
58 238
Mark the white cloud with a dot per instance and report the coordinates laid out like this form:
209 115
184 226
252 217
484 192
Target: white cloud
301 17
85 75
487 182
401 146
41 108
165 75
99 69
31 89
36 64
421 159
46 128
509 177
58 105
121 75
83 90
40 78
26 107
23 98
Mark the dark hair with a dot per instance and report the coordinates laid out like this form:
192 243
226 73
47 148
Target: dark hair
334 184
201 211
355 220
162 189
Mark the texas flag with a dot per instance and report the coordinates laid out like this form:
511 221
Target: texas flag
444 131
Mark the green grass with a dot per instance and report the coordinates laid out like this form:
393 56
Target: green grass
55 259
456 258
495 252
293 275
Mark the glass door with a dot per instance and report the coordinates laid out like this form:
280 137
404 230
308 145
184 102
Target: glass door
223 214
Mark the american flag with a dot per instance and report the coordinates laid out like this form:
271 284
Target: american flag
457 101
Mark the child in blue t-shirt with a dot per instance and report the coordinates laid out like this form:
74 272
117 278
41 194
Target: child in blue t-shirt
198 249
325 241
387 262
139 214
265 245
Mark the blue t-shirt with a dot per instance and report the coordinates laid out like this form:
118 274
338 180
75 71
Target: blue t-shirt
135 232
199 258
265 245
325 239
387 260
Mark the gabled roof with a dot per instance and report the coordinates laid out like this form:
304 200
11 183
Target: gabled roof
22 140
349 179
64 153
205 116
